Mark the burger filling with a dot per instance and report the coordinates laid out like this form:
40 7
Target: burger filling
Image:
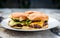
29 23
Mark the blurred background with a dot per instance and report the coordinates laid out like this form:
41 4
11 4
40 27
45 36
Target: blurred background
53 4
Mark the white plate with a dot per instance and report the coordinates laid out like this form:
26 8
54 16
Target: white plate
51 24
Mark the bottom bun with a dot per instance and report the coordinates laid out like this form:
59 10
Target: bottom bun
45 26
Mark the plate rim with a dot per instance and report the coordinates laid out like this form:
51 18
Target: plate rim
27 30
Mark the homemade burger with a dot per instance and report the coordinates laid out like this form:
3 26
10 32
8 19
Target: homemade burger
29 19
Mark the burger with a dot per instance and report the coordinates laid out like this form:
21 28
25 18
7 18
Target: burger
30 19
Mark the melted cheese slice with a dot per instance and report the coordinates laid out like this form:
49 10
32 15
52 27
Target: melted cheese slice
39 23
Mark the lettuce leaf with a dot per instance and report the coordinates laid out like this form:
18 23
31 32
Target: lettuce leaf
26 22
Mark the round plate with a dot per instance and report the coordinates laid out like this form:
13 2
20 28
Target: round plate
51 24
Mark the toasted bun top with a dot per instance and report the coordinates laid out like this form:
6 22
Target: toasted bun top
31 15
31 12
17 15
37 16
